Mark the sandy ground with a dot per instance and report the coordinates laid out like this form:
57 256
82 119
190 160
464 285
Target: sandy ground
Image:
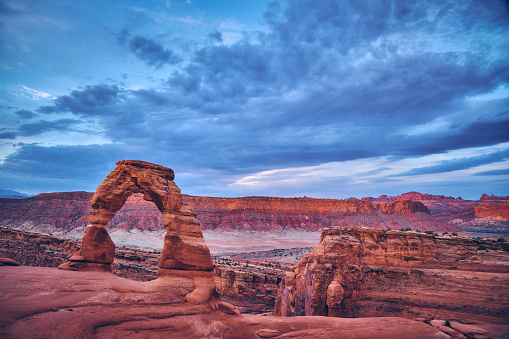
219 241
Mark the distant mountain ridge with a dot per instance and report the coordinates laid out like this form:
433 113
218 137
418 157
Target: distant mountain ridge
441 203
10 194
68 211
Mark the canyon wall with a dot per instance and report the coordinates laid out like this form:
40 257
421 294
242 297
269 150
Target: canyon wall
360 272
65 212
496 212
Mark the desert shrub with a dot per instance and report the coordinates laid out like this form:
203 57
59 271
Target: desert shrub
454 234
481 248
501 240
429 232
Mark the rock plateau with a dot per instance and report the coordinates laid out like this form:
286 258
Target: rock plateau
68 212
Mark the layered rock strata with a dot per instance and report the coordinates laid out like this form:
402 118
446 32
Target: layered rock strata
357 272
441 203
494 212
67 212
279 214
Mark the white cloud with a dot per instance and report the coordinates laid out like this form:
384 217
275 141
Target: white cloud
30 93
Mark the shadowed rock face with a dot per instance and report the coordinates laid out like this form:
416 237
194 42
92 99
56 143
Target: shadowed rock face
361 272
184 247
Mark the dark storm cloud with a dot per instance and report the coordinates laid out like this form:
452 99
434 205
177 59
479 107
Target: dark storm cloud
92 100
147 50
235 72
25 114
8 135
215 36
331 82
62 162
43 126
473 134
458 164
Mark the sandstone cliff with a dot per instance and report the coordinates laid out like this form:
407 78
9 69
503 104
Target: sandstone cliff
65 212
358 272
441 203
268 213
47 212
495 212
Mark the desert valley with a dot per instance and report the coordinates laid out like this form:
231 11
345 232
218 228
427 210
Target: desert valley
419 264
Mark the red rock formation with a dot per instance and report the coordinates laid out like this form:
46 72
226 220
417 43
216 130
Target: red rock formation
40 302
47 212
440 203
366 272
58 212
494 212
185 255
267 214
492 197
249 285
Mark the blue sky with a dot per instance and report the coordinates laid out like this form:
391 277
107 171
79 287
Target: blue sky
327 99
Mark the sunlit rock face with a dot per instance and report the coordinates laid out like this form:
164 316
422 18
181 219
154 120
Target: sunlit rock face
184 247
496 212
360 272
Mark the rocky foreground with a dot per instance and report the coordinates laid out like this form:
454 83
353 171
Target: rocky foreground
38 302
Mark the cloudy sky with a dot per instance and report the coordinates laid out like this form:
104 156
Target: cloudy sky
325 98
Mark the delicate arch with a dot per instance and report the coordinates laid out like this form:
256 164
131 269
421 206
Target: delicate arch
184 247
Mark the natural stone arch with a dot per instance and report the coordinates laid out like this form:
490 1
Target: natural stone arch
184 247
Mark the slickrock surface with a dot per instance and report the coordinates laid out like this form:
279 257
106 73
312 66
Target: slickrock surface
39 302
360 272
250 285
